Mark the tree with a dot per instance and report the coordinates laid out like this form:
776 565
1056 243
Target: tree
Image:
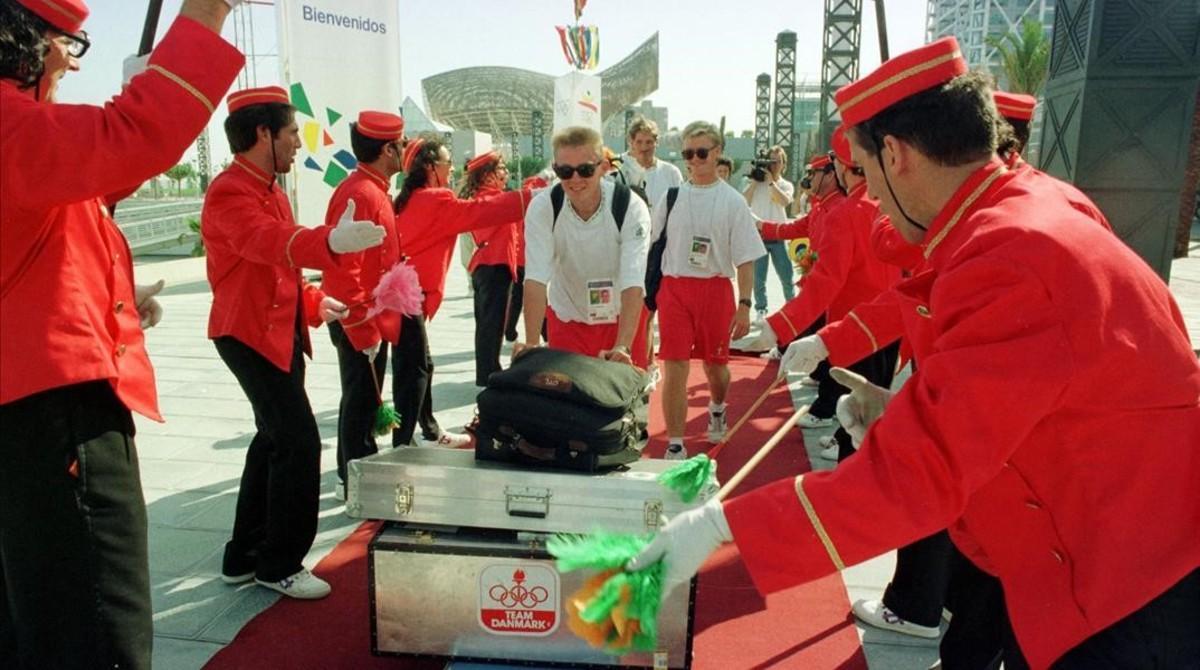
179 173
1024 57
529 166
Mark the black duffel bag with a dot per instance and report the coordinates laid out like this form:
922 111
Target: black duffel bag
559 409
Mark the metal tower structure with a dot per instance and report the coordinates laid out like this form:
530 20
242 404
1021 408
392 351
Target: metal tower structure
973 21
839 58
537 135
762 114
785 96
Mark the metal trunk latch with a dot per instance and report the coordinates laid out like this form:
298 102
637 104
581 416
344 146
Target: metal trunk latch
404 498
527 501
653 514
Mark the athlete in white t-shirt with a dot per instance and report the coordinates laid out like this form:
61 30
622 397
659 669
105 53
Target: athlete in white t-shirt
582 274
711 238
642 167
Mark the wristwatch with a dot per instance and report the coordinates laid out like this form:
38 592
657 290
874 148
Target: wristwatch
745 302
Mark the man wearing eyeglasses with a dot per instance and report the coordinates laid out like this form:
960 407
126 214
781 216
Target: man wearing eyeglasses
73 364
584 274
362 339
711 238
846 273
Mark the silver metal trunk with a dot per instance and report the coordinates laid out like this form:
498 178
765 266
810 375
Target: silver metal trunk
488 595
450 488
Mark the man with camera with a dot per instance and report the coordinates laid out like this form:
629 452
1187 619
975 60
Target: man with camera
769 196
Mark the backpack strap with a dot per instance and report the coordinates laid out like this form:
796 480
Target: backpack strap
672 195
620 203
556 201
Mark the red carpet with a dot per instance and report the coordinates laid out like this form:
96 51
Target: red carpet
735 628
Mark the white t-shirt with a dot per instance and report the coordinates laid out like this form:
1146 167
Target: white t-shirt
766 207
710 233
657 179
586 264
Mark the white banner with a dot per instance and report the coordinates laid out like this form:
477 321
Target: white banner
337 58
577 101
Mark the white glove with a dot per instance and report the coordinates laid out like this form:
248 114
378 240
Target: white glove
803 355
859 408
148 308
131 67
350 236
331 309
685 543
371 352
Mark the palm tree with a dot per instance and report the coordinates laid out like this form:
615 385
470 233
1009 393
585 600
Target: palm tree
1024 57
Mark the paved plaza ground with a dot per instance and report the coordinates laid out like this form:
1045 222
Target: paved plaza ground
191 464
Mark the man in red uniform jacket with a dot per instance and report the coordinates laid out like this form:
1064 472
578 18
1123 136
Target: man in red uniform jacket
362 340
1047 347
73 559
847 272
261 304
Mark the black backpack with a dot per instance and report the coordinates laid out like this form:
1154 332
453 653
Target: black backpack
560 409
654 273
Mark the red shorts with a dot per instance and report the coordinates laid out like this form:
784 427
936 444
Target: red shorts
694 317
591 339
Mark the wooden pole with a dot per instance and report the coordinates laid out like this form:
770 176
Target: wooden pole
762 454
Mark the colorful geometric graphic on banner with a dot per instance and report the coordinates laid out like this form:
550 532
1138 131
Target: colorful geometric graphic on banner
318 142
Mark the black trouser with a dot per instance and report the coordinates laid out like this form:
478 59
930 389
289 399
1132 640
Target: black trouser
360 398
74 572
879 368
276 518
1163 634
493 287
917 591
412 383
515 304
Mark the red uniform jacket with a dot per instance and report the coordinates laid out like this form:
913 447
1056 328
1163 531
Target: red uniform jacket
1050 348
870 326
67 310
499 245
430 222
846 273
255 252
809 225
357 275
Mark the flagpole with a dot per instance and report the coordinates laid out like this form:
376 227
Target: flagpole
150 28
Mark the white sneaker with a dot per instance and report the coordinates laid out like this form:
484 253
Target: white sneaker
447 441
675 453
810 382
716 426
303 585
810 421
760 317
874 613
237 579
771 355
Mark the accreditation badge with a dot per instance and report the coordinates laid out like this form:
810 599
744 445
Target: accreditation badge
601 301
701 248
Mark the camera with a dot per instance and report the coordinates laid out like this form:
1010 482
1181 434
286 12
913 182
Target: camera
760 166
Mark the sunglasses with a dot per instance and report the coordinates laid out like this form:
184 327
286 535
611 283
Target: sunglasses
700 153
77 45
585 170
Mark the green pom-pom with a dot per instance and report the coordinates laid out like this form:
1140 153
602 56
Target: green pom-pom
386 419
598 551
690 477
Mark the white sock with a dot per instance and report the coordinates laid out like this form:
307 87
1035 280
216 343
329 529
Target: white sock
714 408
675 444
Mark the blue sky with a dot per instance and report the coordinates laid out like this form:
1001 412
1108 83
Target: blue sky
710 51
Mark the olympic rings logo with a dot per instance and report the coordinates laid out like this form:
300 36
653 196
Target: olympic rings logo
518 594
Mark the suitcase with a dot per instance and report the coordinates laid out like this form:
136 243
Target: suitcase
494 596
561 409
449 487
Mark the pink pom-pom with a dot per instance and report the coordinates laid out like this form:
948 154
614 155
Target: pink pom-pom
399 290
